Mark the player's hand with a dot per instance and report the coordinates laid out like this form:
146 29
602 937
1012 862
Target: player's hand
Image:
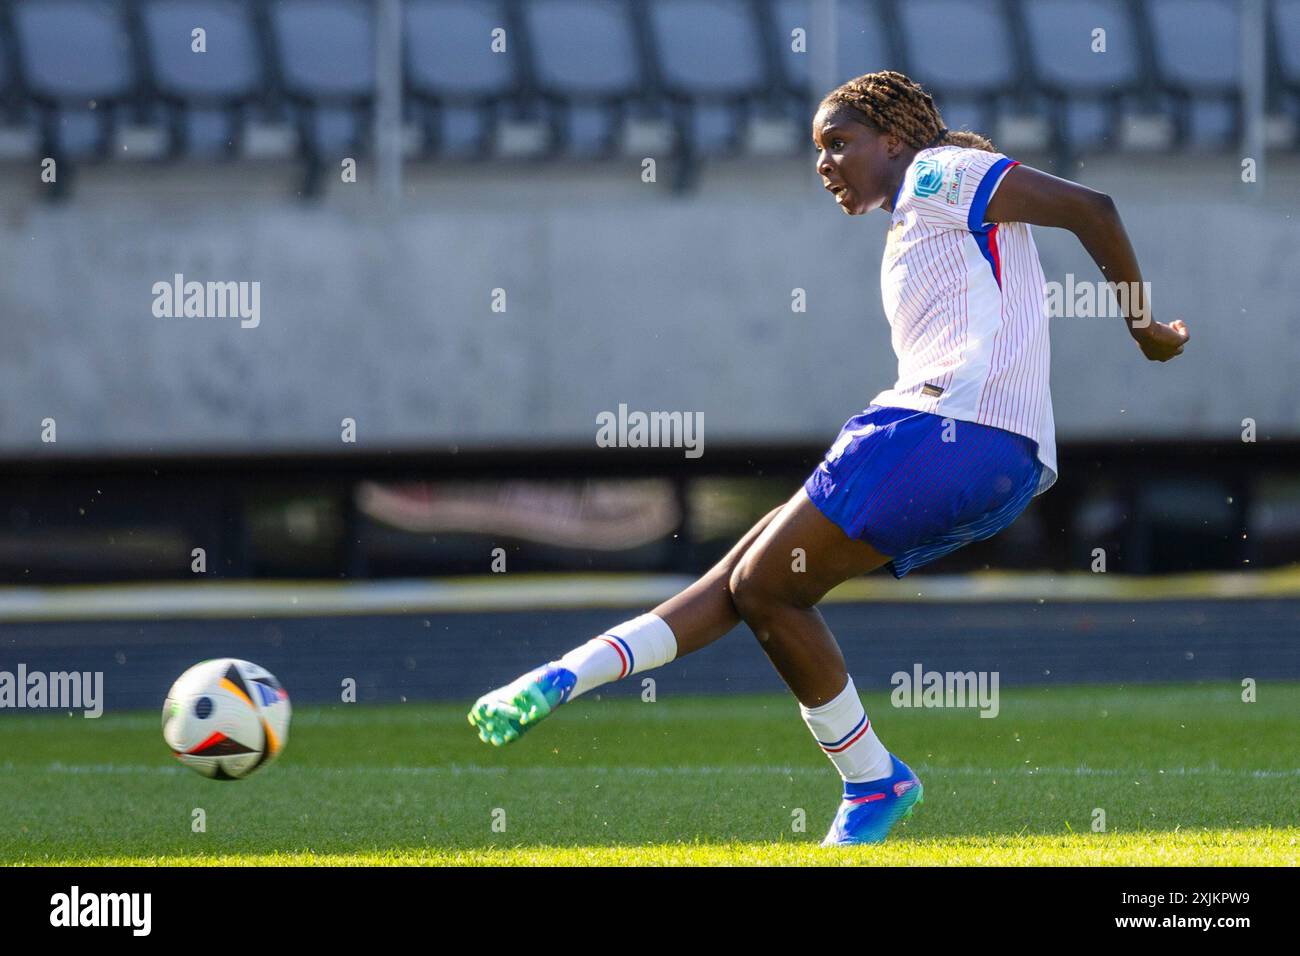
1160 342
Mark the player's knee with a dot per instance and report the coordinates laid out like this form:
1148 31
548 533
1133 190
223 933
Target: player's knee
755 602
742 588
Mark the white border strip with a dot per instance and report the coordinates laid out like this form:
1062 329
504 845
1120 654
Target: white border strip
526 592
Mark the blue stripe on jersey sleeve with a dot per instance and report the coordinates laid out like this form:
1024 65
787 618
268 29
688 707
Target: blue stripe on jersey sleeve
980 204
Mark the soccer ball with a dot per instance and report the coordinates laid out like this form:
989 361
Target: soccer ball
226 718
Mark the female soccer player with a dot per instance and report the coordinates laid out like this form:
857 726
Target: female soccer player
951 454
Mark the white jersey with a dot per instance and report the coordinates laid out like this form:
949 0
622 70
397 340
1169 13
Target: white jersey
966 303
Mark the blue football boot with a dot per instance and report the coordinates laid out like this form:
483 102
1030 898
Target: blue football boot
869 810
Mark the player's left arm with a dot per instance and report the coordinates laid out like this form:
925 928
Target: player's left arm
1040 199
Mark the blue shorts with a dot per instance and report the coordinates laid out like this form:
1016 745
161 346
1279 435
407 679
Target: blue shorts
892 480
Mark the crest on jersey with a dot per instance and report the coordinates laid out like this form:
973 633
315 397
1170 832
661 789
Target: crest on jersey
929 177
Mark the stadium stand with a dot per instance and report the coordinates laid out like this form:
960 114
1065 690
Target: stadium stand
94 80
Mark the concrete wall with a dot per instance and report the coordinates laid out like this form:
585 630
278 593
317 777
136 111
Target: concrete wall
617 292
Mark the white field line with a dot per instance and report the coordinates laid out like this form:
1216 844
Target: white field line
473 770
234 599
388 714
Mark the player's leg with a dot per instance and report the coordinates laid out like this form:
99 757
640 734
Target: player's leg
776 584
691 619
703 612
797 559
916 486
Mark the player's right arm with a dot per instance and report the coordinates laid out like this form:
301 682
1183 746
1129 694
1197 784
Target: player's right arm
1040 199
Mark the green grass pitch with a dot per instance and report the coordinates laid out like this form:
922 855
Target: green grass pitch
1186 775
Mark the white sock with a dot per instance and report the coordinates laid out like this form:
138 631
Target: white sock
843 731
630 648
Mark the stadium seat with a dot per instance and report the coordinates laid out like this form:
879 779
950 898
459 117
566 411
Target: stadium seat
863 35
473 98
213 94
19 137
1091 91
80 72
326 52
1285 28
973 66
864 44
589 68
711 60
1198 63
866 39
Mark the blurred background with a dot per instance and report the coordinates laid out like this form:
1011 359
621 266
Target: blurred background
474 226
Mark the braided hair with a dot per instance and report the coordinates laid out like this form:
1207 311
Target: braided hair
894 103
